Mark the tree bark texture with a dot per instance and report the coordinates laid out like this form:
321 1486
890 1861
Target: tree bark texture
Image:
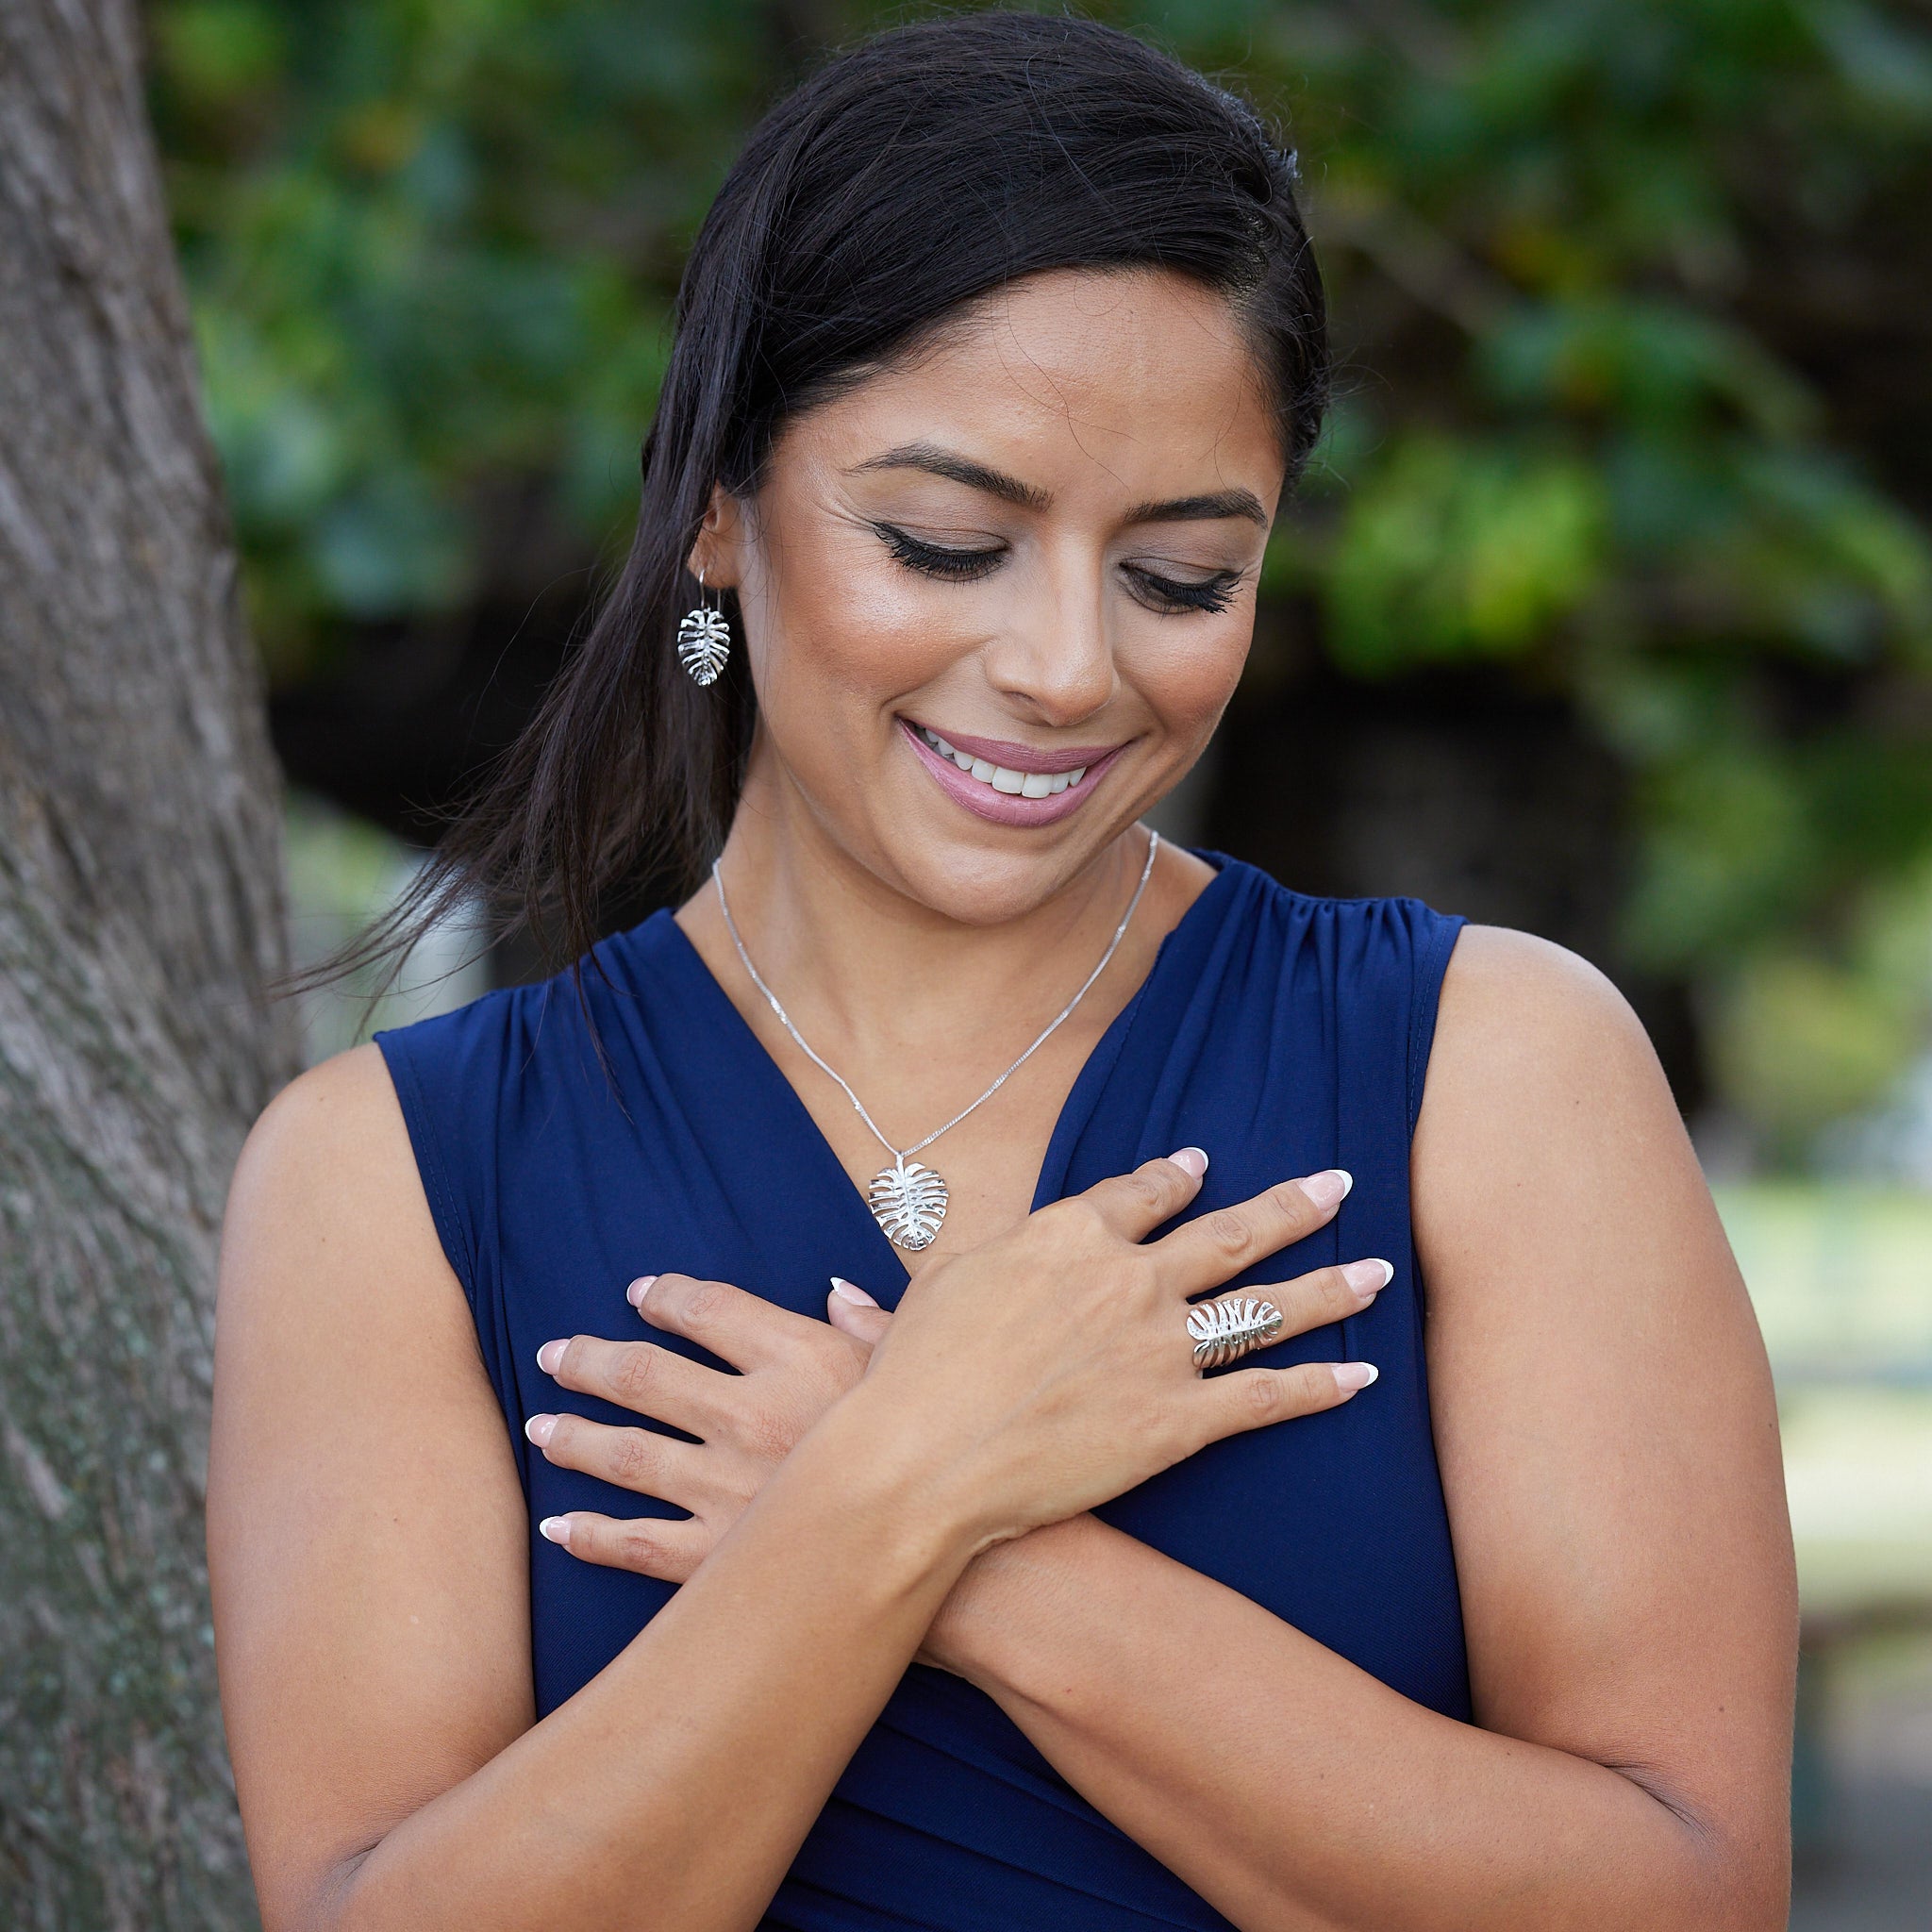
140 914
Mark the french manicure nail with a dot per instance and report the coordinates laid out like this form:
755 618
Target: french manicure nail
550 1354
1369 1277
1328 1187
850 1292
539 1428
555 1529
639 1289
1349 1376
1193 1159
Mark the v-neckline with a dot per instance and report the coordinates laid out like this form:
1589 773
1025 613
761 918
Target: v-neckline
1100 1056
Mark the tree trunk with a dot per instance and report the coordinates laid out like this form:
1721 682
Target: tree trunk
140 912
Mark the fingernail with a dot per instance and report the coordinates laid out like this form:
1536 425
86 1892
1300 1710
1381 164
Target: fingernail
550 1354
555 1529
1369 1277
1349 1376
639 1289
848 1292
539 1428
1328 1187
1193 1159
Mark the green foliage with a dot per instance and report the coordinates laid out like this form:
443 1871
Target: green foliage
1460 546
1803 1035
431 249
1588 260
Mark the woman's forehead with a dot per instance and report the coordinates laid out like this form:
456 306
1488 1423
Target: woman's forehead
1136 375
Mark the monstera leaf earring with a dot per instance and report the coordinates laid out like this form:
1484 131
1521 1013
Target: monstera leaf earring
704 640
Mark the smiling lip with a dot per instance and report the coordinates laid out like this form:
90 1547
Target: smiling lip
1024 758
1007 807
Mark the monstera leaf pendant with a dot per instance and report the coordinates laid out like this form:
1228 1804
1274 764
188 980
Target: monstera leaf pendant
1224 1330
704 643
908 1202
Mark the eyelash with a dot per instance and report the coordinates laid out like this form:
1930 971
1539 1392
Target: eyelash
1212 594
934 560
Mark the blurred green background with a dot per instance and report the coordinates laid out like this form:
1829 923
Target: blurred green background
1607 611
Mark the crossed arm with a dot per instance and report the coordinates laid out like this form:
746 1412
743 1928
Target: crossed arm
1608 1444
1608 1450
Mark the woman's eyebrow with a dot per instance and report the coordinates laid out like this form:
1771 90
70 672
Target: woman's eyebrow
1202 510
957 469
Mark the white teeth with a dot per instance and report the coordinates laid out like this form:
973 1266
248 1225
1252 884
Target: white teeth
1001 778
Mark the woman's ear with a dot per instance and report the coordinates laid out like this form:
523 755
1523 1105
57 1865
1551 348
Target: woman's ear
718 554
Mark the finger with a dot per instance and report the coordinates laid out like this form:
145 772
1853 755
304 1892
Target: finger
1134 1204
639 1460
1253 1398
742 1329
854 1312
641 1377
1216 1245
1314 1300
650 1545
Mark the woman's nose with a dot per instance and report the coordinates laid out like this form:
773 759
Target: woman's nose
1055 658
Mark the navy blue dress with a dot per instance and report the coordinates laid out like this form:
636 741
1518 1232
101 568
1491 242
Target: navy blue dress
1282 1033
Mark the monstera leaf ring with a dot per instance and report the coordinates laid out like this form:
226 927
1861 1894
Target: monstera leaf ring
1224 1330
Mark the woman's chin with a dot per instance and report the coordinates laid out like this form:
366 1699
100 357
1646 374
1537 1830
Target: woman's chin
982 873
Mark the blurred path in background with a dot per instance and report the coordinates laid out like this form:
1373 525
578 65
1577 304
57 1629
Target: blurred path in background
1873 1870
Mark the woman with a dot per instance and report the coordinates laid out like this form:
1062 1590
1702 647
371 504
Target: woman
991 1589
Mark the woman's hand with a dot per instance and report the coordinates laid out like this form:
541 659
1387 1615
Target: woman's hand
791 1371
1051 1369
795 1369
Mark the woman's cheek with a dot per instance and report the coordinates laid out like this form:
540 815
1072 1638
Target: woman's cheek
839 614
1187 680
889 631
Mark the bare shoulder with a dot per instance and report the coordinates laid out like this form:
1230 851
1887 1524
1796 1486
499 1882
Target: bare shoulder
328 1180
335 1293
1548 1129
329 1255
334 1132
1539 1062
337 1108
1510 991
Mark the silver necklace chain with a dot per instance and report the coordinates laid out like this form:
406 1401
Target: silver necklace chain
902 1154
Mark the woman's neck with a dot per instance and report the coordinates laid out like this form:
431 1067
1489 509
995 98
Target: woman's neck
885 986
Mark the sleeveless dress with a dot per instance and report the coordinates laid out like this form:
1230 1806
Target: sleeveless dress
1282 1033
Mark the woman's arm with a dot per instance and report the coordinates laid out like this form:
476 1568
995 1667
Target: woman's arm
1608 1445
367 1538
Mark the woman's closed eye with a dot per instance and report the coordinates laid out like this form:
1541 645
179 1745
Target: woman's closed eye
1161 592
953 563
